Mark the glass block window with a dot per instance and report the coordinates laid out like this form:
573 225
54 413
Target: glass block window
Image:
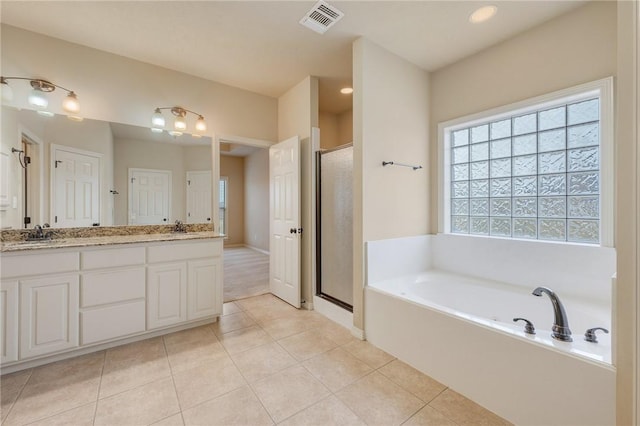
533 175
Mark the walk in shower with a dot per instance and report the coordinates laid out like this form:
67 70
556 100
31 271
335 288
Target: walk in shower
334 204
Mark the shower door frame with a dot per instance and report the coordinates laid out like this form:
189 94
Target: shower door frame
318 291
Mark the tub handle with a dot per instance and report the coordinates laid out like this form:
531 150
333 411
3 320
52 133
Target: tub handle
590 334
528 328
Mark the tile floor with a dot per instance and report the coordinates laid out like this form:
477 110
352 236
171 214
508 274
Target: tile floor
263 363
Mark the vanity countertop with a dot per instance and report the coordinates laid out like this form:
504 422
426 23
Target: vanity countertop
18 246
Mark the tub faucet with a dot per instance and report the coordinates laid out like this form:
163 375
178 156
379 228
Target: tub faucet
560 329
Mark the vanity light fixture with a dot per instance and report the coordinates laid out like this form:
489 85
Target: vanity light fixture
38 95
180 122
483 14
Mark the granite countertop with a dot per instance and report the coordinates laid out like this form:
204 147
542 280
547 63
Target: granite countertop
15 246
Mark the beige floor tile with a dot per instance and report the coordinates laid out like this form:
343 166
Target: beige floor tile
7 398
306 345
175 420
428 417
197 334
133 353
263 300
258 363
339 334
368 353
379 401
232 322
206 381
14 381
419 384
280 328
337 368
240 407
189 355
121 376
81 416
328 412
266 313
48 398
83 367
289 391
140 406
229 308
464 411
244 339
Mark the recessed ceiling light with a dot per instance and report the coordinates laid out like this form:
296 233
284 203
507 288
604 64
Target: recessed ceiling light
483 14
346 90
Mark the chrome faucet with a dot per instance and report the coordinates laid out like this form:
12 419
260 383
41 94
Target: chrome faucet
560 329
38 234
179 227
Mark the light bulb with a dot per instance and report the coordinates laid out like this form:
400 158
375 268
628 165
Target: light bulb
346 90
71 104
157 119
175 133
483 14
201 126
7 92
38 100
180 123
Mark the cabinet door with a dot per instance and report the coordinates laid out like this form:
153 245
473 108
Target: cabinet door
205 281
9 321
166 294
49 314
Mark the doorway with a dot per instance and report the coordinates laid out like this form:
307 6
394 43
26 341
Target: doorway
243 198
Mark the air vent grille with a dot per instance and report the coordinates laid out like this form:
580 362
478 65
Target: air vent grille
321 17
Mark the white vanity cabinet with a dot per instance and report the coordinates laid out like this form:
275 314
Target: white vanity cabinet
112 302
184 282
57 301
48 314
8 321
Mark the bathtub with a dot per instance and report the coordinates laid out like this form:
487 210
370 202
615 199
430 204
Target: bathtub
459 330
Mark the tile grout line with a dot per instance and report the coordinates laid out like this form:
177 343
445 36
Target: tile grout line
95 411
173 380
18 396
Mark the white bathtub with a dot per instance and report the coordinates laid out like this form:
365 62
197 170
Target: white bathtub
495 305
459 330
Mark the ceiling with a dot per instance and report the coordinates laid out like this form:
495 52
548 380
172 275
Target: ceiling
261 47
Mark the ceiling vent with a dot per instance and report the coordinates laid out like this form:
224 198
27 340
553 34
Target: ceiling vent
321 17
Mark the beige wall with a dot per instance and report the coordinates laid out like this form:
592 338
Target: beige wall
574 48
335 129
390 122
121 90
297 114
233 169
256 199
627 206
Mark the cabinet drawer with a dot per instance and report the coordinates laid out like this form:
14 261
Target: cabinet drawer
101 288
39 264
184 251
112 321
109 258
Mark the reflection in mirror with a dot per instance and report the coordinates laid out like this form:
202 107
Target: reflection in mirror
96 173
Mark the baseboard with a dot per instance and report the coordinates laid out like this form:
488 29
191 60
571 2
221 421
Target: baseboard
233 245
334 312
357 333
255 248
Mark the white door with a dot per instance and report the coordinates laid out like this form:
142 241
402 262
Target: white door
76 187
198 197
149 196
285 229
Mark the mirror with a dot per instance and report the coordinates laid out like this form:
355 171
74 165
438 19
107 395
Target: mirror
96 173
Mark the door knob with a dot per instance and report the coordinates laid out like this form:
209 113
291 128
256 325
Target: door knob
293 231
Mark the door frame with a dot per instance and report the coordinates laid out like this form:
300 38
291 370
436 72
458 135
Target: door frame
52 178
130 171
